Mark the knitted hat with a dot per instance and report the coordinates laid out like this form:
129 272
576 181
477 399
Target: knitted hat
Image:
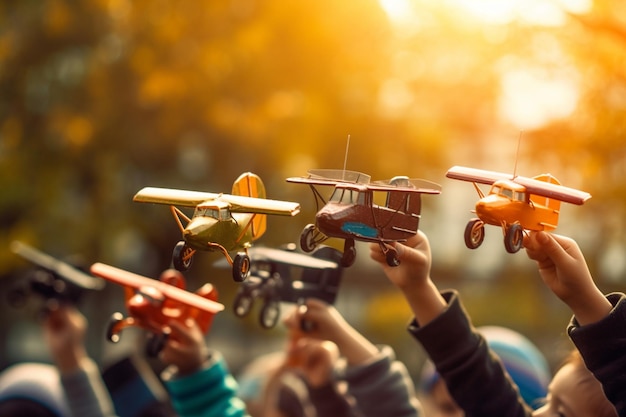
522 360
35 382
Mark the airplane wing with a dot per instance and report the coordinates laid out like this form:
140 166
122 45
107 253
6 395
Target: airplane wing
129 279
173 196
289 258
243 204
409 185
331 177
555 191
476 175
237 203
56 266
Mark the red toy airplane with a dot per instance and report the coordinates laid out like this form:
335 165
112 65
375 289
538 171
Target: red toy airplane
152 304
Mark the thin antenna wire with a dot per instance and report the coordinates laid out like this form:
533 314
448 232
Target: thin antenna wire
345 160
519 140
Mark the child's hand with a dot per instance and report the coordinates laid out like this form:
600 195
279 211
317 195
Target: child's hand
415 261
314 358
315 318
185 347
563 268
324 322
64 331
412 276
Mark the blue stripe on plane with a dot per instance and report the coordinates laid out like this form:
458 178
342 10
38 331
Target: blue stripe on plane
359 229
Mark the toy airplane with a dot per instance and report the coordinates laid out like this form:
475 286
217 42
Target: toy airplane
221 222
53 279
153 304
282 275
351 213
514 203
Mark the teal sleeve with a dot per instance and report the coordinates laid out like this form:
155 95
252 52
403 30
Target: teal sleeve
210 392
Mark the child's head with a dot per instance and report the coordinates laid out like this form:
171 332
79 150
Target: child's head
574 391
523 361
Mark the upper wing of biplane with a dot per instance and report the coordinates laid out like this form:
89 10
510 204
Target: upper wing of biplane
331 177
237 203
129 279
60 268
533 186
404 184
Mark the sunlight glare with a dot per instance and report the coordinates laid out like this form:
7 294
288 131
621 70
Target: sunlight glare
497 12
531 98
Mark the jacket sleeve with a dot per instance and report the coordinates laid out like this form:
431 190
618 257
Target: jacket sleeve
474 376
382 387
602 346
86 393
210 392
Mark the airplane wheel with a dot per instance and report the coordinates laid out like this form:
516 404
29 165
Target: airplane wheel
349 253
307 238
242 304
241 267
270 313
156 343
112 334
182 256
514 238
474 233
392 257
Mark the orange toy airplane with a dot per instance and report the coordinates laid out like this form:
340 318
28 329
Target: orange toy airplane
153 304
514 203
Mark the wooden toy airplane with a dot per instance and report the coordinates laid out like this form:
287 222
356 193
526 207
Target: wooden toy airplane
153 304
221 222
352 214
53 279
514 203
283 275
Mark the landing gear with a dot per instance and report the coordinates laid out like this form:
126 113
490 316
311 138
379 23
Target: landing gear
349 253
182 256
241 267
155 344
391 255
311 237
474 233
270 313
514 238
242 304
112 329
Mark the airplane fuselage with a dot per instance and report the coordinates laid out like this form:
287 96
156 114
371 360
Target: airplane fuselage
232 233
365 222
498 209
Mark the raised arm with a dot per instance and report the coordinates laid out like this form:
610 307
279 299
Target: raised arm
563 269
412 276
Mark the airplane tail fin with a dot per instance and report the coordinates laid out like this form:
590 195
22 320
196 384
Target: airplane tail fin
250 185
552 203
